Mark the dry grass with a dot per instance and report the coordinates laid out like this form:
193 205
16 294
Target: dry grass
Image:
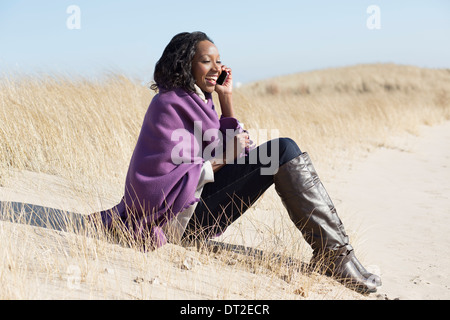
346 110
78 136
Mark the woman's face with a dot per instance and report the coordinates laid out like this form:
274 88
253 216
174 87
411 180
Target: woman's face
206 66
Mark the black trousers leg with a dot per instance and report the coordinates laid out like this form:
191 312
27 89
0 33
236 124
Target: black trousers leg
237 186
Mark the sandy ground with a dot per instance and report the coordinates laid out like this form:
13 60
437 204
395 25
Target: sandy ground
395 200
401 194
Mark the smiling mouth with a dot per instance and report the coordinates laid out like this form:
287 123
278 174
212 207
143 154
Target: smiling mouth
211 80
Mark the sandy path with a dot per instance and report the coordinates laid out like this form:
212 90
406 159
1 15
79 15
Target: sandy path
395 202
401 192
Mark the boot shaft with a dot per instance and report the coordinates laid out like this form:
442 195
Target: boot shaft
309 205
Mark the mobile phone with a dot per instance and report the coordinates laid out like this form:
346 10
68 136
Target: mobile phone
222 78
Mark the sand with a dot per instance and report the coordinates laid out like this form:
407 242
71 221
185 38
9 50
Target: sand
394 201
401 195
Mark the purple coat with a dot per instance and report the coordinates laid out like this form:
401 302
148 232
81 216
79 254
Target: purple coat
166 164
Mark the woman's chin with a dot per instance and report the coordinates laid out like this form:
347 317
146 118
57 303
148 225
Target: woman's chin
209 89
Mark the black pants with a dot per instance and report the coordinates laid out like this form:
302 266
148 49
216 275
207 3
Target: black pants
237 186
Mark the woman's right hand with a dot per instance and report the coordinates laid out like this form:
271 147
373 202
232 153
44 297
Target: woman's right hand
241 142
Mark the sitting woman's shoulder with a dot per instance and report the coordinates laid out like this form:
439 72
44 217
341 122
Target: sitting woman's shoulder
170 96
168 103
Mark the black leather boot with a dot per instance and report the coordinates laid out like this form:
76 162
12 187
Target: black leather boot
370 276
311 209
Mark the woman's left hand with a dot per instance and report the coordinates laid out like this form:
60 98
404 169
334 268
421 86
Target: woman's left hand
225 94
227 87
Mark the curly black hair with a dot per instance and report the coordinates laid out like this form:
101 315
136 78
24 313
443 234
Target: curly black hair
173 69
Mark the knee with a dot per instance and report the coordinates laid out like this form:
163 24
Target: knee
288 150
276 152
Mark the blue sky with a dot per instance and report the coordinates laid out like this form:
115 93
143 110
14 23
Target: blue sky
258 39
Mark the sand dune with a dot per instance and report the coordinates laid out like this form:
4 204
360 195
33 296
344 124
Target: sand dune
400 194
66 144
396 197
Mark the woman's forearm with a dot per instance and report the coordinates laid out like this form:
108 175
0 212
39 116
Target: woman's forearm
226 105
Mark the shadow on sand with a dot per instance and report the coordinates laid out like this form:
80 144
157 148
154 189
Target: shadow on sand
44 217
61 220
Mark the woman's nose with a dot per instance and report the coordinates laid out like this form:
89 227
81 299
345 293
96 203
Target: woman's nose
217 67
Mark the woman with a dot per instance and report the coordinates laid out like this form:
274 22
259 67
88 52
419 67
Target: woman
191 174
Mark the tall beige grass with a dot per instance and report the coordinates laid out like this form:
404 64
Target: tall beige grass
350 109
83 132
